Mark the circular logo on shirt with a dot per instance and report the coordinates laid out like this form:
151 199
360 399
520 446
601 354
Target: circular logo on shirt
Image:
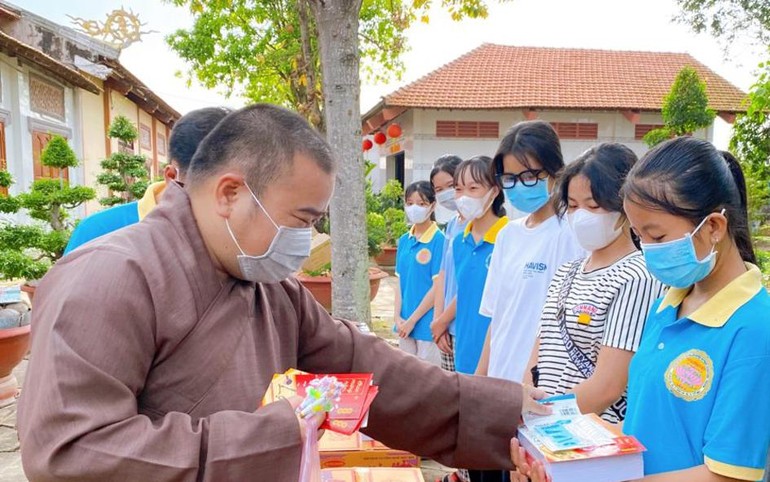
423 256
690 375
585 312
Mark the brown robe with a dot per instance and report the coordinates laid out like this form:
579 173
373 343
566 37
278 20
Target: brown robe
146 365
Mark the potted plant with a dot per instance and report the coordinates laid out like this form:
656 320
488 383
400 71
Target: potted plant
390 202
125 174
14 340
319 281
28 251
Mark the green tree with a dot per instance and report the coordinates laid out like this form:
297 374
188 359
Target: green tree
125 173
685 108
28 251
309 54
751 144
728 19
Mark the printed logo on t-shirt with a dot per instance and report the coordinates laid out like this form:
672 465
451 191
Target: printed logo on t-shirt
423 256
585 312
690 375
534 268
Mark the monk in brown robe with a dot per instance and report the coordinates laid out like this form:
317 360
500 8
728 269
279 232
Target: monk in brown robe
152 346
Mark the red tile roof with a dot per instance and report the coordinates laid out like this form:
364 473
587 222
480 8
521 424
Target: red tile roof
507 77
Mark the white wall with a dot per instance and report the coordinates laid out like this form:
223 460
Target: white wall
422 147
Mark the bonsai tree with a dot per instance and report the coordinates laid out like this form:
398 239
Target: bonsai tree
685 108
125 173
395 225
28 251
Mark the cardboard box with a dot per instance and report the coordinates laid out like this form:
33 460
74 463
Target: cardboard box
372 475
358 450
320 252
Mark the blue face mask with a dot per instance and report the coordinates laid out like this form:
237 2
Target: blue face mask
528 199
676 263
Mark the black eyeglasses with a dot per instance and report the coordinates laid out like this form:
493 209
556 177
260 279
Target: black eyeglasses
529 178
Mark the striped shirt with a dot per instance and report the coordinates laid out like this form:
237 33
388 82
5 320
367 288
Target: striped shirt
605 307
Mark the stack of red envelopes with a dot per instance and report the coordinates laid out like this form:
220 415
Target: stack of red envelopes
352 410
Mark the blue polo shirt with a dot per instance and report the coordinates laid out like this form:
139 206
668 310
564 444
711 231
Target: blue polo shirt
418 261
471 264
454 227
114 218
699 386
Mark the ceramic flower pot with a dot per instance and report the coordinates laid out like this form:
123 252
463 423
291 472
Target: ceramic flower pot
321 286
387 257
14 344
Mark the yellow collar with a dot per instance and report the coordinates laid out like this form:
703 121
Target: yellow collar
150 198
491 235
715 312
427 236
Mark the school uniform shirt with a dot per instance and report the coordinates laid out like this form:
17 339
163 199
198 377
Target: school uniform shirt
418 261
523 263
699 386
453 228
149 364
471 261
114 218
604 307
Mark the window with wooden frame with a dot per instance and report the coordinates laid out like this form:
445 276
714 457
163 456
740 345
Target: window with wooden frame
576 130
39 141
641 130
160 140
145 137
468 129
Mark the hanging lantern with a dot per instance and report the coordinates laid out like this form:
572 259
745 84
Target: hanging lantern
379 138
367 144
394 130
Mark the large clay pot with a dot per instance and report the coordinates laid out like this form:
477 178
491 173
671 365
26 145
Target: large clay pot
14 344
387 256
321 286
30 290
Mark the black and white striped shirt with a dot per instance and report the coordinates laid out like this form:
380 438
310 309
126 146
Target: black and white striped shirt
605 307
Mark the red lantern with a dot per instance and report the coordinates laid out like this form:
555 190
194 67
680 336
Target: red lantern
394 130
379 138
367 144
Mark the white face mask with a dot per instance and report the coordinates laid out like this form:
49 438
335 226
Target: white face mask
471 208
594 231
288 250
416 214
446 198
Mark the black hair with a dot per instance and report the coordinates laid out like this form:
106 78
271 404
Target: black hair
690 178
480 169
447 163
606 167
190 130
425 190
531 140
261 140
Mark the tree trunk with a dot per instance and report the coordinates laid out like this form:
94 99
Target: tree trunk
337 24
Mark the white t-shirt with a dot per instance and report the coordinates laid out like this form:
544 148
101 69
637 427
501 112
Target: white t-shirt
523 263
605 307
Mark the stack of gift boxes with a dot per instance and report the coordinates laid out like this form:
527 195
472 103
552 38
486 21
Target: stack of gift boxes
354 457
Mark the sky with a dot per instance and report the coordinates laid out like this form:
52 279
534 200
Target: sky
603 24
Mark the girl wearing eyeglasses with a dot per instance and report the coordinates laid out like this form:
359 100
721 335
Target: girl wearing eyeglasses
528 250
699 384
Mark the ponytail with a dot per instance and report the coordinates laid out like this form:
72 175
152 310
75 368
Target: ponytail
740 227
688 177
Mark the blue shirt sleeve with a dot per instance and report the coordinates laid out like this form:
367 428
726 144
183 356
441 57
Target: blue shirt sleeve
437 254
101 223
738 432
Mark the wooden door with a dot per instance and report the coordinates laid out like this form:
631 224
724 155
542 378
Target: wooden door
39 141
